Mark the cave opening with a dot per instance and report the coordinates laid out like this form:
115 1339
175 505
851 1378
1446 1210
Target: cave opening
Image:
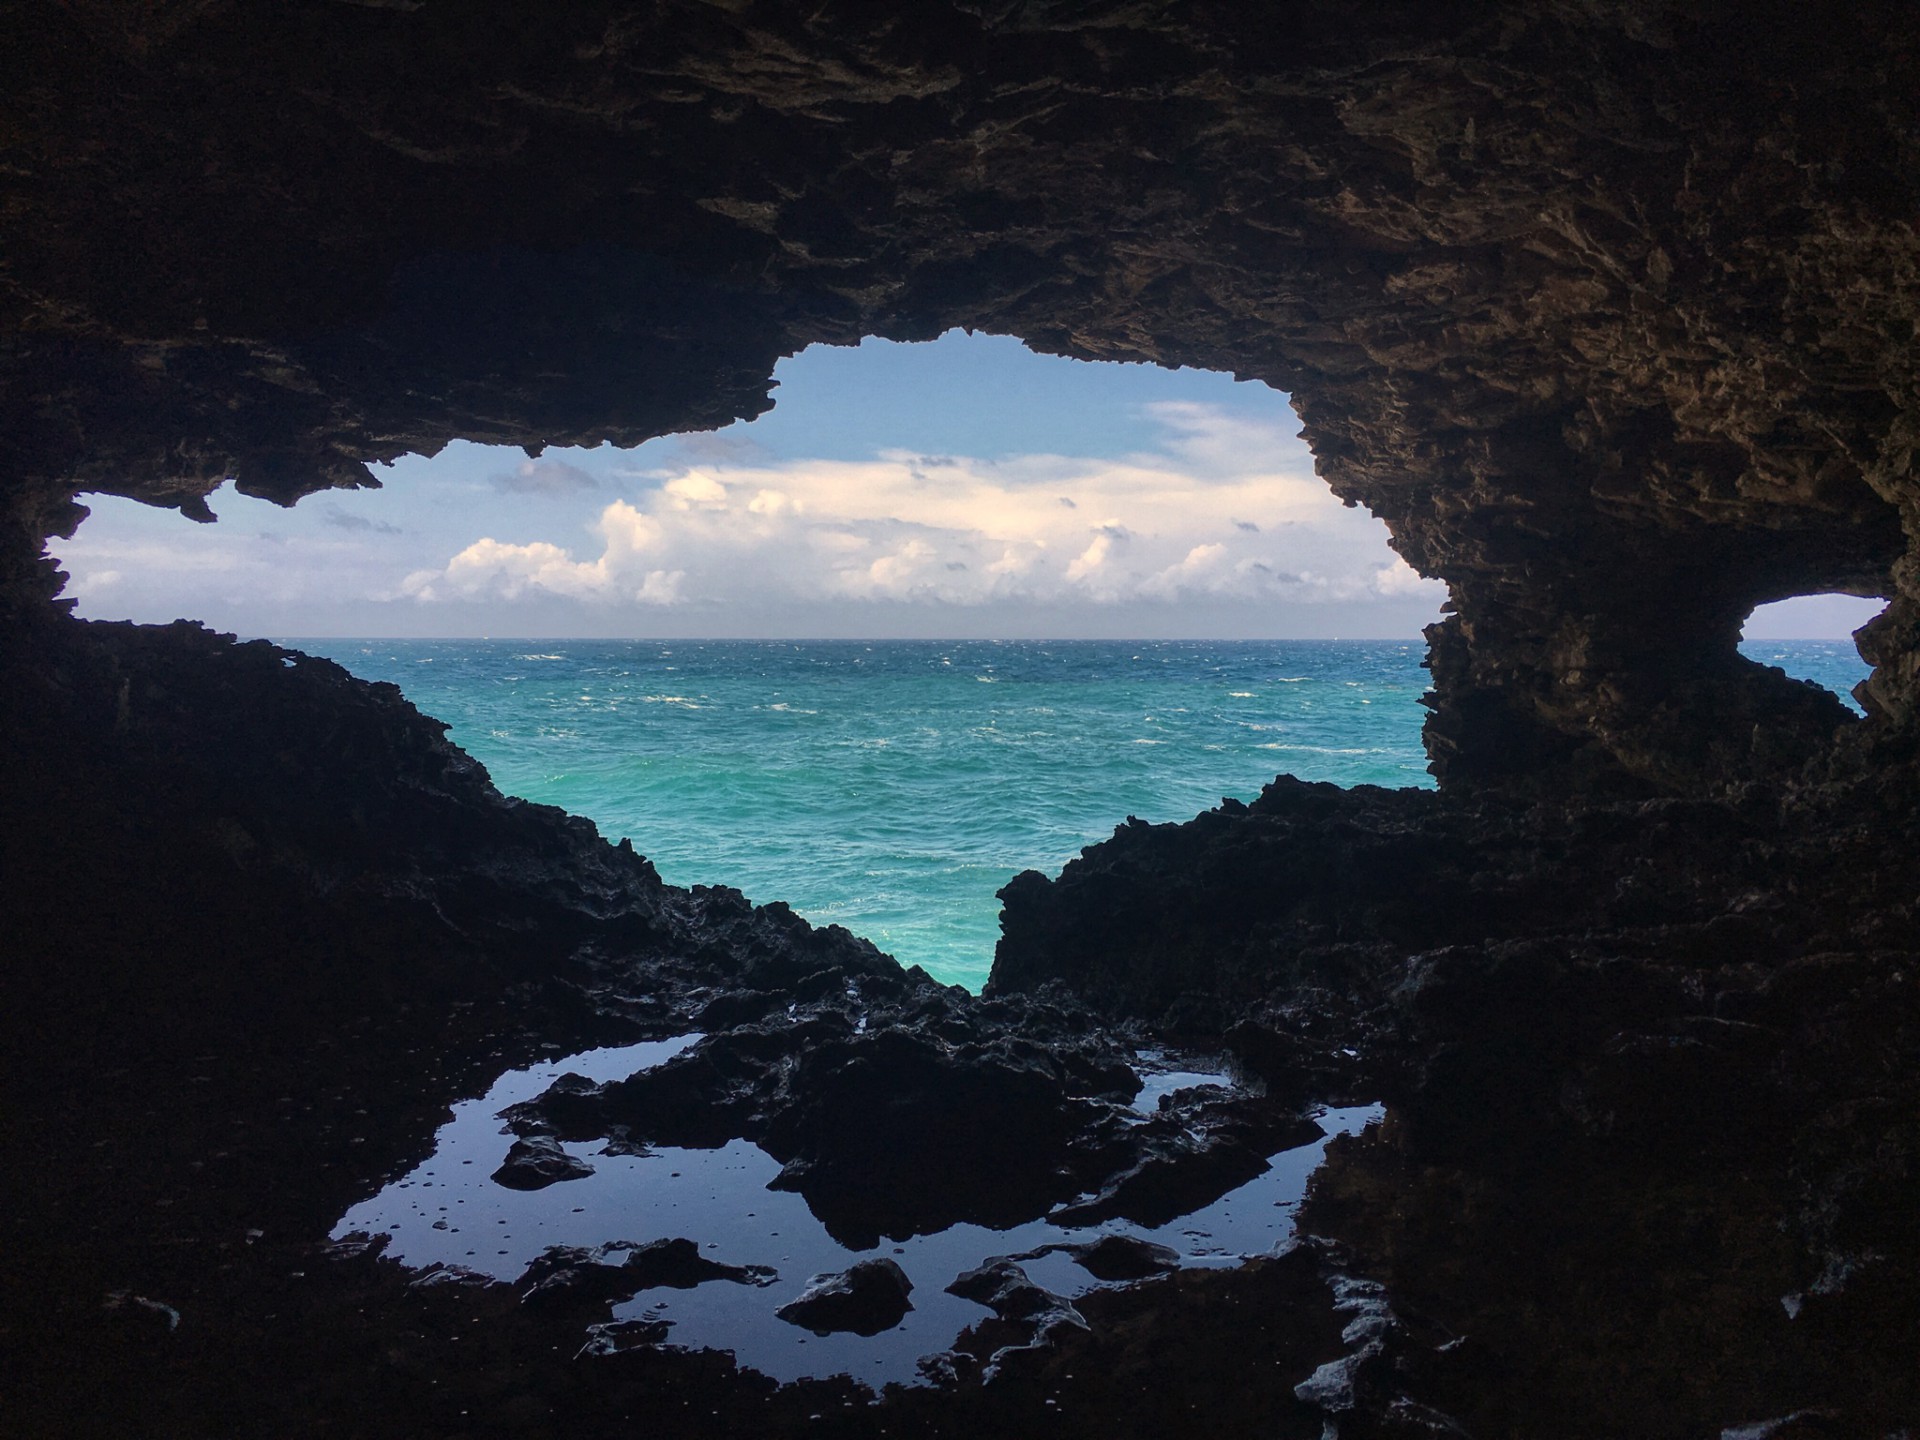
1810 637
1607 309
771 655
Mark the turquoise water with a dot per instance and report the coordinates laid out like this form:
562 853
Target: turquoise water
894 786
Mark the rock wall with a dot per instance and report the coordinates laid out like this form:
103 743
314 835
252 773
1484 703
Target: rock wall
1606 307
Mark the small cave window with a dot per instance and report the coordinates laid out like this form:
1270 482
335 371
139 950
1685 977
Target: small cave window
1811 638
950 610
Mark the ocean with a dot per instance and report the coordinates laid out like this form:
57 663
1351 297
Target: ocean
893 786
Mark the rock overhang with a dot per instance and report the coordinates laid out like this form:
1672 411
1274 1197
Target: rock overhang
1606 310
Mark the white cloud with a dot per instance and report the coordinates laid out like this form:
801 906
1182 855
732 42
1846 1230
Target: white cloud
1400 578
493 567
1227 508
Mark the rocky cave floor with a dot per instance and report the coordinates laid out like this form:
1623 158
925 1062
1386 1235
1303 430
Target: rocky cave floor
1649 1067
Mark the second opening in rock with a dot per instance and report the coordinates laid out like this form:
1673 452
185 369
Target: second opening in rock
1808 637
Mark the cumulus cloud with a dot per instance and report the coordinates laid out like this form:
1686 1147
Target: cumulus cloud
551 478
959 530
493 567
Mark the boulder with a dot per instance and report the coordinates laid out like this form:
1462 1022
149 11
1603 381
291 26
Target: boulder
865 1299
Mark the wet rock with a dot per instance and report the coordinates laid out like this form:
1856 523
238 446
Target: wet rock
615 1337
537 1162
1811 1424
1188 1155
679 1265
1027 1317
1003 1287
1125 1257
897 1133
865 1299
947 1369
141 1312
440 1277
622 1269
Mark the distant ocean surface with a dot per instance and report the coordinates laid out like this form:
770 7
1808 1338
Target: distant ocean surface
894 786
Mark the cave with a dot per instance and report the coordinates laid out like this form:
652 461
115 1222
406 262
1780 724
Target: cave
1607 308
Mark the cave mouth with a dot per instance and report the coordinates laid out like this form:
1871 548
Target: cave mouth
1810 637
966 487
924 523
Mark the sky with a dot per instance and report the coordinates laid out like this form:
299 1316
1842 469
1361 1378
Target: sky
961 488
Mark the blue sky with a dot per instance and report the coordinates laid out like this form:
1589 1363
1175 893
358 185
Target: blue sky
961 488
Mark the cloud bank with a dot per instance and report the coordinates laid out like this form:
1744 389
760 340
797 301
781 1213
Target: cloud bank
1224 508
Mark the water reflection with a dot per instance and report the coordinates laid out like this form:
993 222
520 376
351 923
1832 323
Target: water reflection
448 1211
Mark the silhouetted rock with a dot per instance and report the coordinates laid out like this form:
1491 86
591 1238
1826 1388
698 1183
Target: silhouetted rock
865 1299
1606 309
622 1269
536 1163
1125 1257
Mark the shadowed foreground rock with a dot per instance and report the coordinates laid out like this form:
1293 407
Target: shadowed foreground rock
865 1299
1607 308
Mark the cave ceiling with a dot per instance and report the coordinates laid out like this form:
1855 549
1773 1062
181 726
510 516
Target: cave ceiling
1607 308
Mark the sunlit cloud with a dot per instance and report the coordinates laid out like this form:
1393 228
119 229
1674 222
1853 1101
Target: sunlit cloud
959 530
494 567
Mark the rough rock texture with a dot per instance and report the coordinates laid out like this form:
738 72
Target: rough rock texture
865 1298
899 1107
1607 307
1651 1070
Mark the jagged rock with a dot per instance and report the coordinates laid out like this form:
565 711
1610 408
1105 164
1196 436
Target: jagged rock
1125 1257
1187 1156
1598 312
622 1269
865 1298
1003 1287
1028 1316
616 1337
436 1277
1607 309
893 1126
534 1164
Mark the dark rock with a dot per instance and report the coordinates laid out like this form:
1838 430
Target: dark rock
893 1127
1027 1318
1606 309
622 1269
141 1312
1125 1257
679 1265
536 1163
1188 1155
437 1277
1003 1287
616 1337
865 1299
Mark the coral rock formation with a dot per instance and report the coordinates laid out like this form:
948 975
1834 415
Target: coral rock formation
1607 307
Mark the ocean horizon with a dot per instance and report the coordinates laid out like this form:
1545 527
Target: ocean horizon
893 786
